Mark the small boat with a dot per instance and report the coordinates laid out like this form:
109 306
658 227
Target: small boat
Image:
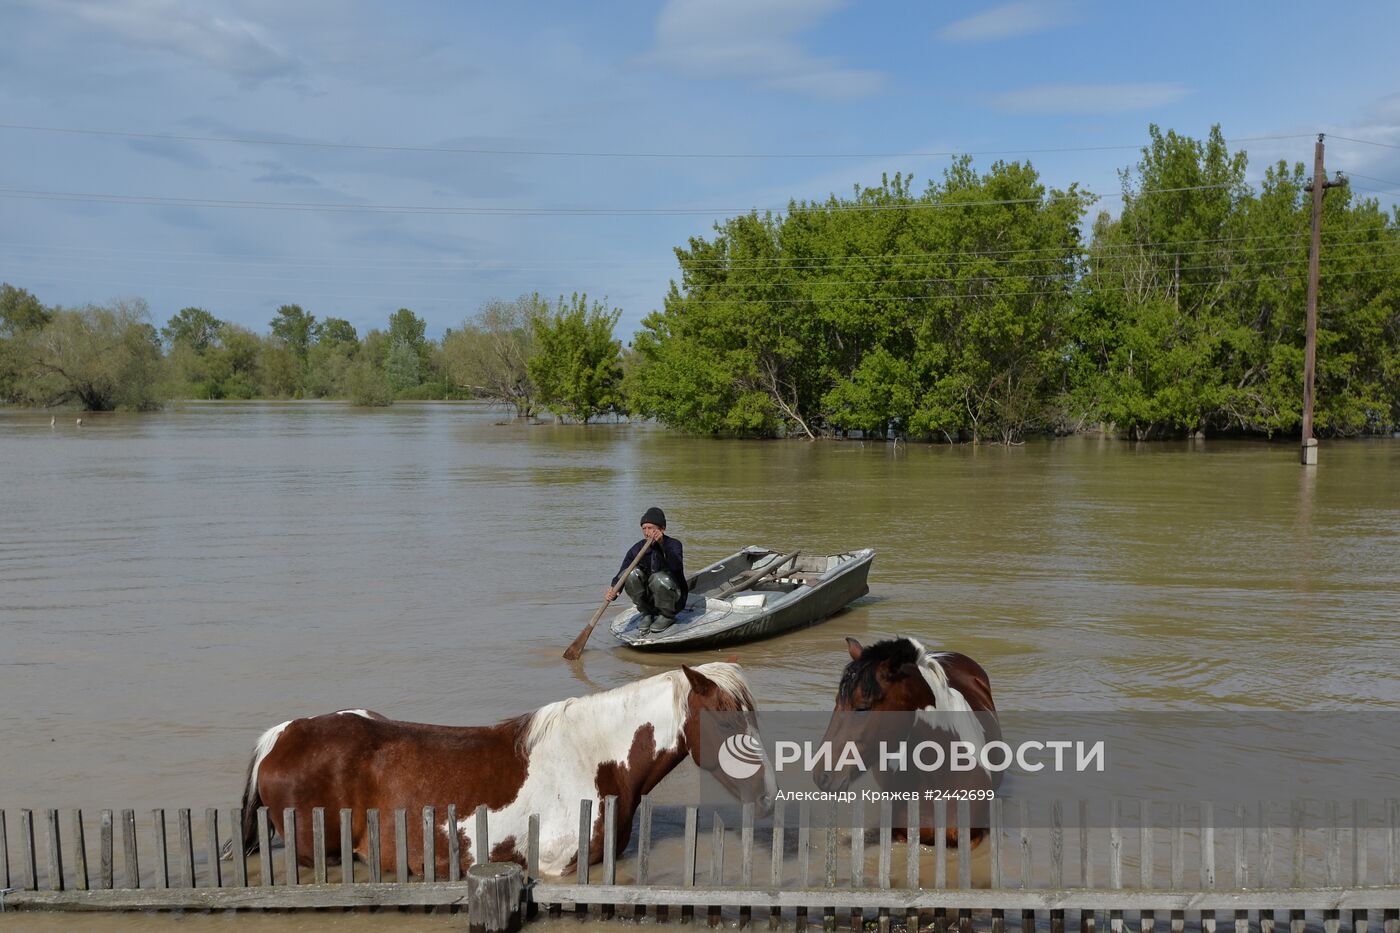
756 593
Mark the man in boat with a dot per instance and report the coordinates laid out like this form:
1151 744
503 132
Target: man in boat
657 584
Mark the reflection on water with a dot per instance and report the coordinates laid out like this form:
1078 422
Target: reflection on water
173 584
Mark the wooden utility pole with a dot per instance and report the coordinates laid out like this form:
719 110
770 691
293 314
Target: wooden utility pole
1317 186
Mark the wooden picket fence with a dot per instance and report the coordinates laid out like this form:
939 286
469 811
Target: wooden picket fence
815 872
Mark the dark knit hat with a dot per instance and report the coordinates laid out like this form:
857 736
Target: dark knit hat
654 516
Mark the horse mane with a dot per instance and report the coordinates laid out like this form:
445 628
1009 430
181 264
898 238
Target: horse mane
898 652
549 719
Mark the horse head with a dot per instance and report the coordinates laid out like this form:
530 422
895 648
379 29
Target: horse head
720 708
885 677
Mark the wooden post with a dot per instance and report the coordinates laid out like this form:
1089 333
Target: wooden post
347 845
162 855
55 865
644 856
31 858
373 852
481 844
886 844
265 846
692 819
829 910
318 845
105 858
775 914
911 861
1086 864
746 860
1027 863
804 860
240 854
1115 860
429 817
1057 861
940 859
1331 919
964 814
532 857
186 830
1178 921
994 830
454 845
1241 867
584 852
1266 865
1360 919
133 865
1392 861
4 854
289 847
400 844
857 860
211 832
716 863
493 897
609 848
1207 861
1146 869
80 860
1297 921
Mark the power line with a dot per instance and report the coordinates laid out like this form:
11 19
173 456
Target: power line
1130 245
1348 240
795 207
483 150
1364 142
1068 277
420 300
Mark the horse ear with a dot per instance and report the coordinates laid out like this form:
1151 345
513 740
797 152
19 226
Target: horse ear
854 648
698 681
908 669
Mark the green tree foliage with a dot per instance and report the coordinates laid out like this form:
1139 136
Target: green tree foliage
337 332
192 327
20 314
886 310
367 385
295 328
98 357
490 355
578 369
1191 311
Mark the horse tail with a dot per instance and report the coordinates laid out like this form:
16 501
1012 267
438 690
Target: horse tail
252 798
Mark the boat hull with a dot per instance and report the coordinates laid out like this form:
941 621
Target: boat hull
807 605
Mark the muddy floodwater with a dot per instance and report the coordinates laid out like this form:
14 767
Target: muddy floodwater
173 584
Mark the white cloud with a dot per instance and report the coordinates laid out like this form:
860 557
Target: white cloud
1023 18
190 30
1090 98
755 40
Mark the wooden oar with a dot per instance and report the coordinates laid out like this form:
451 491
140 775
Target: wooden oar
755 576
576 649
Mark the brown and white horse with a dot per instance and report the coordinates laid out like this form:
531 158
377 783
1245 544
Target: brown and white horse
902 675
619 742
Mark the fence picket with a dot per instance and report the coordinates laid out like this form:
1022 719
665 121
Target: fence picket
373 852
162 854
186 835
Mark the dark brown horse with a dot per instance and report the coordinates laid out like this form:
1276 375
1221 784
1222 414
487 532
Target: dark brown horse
619 742
950 698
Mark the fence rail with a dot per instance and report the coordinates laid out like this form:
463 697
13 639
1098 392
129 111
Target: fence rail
795 864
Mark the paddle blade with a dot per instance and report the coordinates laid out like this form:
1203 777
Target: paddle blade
575 651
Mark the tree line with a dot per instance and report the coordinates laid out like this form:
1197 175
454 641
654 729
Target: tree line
977 308
530 353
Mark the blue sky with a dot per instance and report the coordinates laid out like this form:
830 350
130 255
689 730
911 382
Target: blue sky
649 100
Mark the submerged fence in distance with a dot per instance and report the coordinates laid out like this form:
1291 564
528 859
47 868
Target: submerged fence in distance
1104 864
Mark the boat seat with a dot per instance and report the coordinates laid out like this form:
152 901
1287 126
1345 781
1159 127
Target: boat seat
803 576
